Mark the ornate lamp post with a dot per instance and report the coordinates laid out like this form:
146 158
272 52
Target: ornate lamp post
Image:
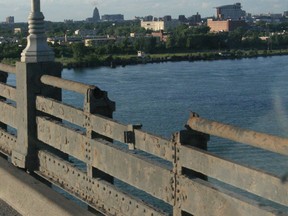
37 49
37 59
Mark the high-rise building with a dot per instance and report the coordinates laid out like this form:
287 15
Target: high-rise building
231 12
195 18
10 20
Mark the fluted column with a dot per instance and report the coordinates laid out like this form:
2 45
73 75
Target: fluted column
37 49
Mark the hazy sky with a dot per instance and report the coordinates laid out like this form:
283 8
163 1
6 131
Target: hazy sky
58 10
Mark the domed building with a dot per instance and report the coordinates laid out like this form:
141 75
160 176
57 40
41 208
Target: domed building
96 16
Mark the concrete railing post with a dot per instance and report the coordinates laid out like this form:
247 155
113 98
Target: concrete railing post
37 59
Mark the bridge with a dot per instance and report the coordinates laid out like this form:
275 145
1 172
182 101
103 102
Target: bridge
46 143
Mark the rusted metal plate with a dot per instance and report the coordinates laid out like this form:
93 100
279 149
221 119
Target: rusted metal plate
155 145
199 197
133 169
65 139
8 114
260 140
7 68
255 181
145 175
108 127
99 194
144 141
60 110
7 142
7 91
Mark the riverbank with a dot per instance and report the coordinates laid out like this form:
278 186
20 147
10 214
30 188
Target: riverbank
124 60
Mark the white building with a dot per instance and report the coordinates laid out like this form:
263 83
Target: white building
159 25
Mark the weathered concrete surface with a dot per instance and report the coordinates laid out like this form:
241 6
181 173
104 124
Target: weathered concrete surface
30 197
7 210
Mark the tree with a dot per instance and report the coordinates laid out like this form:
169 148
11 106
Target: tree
78 50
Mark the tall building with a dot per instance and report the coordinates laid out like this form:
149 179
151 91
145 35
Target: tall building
10 20
232 12
95 17
195 18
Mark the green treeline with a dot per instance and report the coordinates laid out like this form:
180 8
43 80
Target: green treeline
183 39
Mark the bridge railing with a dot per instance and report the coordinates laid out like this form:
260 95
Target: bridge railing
7 110
172 185
176 171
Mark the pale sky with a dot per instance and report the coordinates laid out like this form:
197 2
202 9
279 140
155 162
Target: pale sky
58 10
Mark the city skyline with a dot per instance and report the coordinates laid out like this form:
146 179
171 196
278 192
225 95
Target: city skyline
58 10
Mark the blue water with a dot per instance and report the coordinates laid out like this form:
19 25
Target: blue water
249 93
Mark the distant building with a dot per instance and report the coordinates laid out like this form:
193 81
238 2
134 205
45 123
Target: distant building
85 32
95 17
195 18
167 18
17 30
99 41
285 14
159 25
182 18
68 21
268 18
10 20
148 18
113 17
225 25
163 36
232 12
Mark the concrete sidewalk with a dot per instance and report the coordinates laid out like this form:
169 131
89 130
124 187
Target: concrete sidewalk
30 197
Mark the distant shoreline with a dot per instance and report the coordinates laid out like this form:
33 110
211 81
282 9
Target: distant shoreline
125 60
